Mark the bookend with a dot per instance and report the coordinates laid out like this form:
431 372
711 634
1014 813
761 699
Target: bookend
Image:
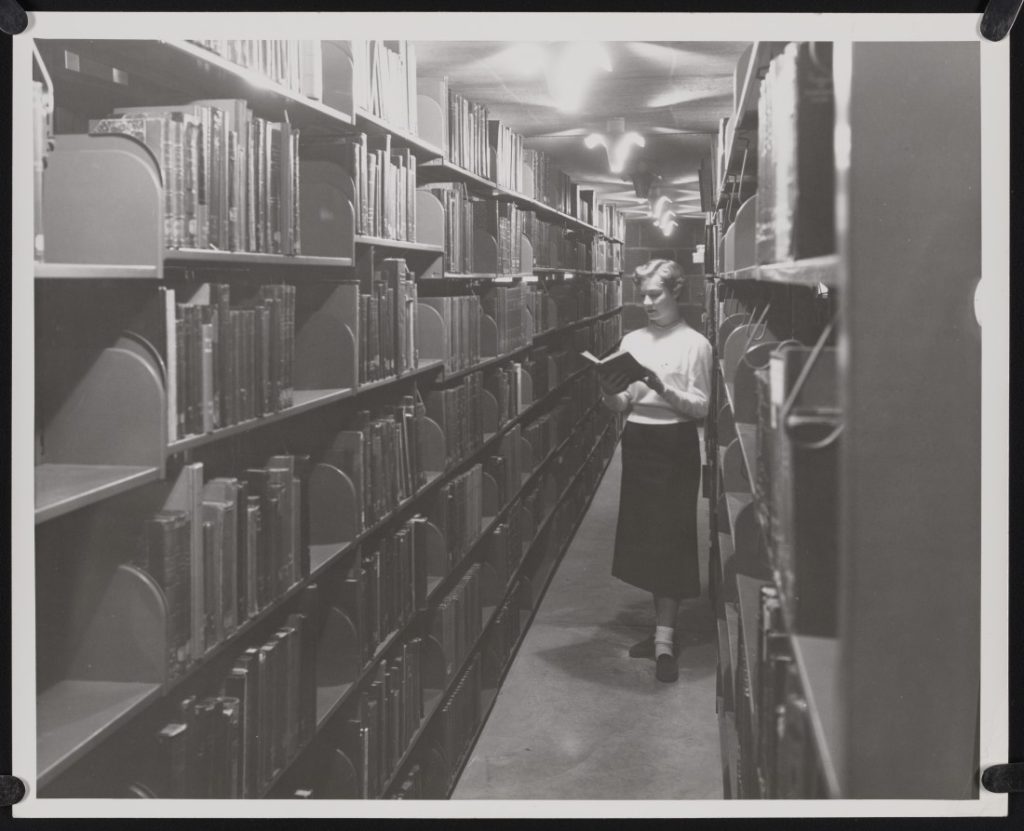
434 664
333 512
326 347
526 456
525 390
99 189
489 408
745 381
338 659
432 549
725 425
430 229
491 508
485 253
430 120
488 337
527 180
327 216
742 339
733 469
433 450
116 414
126 638
431 334
728 325
338 76
525 255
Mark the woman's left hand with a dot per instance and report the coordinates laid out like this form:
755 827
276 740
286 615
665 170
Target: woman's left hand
653 381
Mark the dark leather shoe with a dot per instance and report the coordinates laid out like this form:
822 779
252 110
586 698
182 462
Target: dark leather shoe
643 649
666 668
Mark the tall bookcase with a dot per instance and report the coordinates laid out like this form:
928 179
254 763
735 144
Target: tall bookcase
516 460
845 496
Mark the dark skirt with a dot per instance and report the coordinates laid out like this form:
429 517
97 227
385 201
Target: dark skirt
656 536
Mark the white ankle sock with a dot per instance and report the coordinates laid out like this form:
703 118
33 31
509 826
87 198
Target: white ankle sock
662 640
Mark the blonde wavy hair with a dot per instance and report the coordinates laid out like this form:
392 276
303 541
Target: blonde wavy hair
670 273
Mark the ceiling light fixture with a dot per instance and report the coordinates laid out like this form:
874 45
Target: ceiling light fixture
617 143
667 223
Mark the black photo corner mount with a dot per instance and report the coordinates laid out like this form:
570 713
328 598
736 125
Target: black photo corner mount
998 19
1007 778
13 18
12 791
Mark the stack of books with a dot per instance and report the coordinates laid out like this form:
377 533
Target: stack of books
795 189
457 512
505 466
232 744
294 64
550 185
382 723
468 142
384 78
460 317
229 364
380 454
383 183
223 551
459 412
459 718
457 620
506 150
505 384
505 304
231 180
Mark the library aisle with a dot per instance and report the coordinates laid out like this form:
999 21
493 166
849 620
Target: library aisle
576 717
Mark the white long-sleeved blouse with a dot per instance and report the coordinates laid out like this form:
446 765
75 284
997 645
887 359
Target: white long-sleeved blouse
681 358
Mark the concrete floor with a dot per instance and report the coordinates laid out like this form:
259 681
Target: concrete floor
576 717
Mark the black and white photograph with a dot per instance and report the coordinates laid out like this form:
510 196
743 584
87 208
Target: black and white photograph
510 414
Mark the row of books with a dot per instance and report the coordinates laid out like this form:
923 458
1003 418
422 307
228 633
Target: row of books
457 512
778 758
505 467
294 64
796 482
605 256
459 717
229 364
381 456
505 383
384 586
456 621
381 725
505 546
550 185
544 433
388 314
610 219
460 211
548 368
552 247
233 744
384 78
224 550
230 179
458 410
505 305
383 183
460 319
467 131
506 156
598 296
795 158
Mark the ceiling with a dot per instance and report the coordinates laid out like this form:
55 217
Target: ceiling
672 93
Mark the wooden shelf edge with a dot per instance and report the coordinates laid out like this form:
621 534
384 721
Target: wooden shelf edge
398 245
818 661
133 698
198 255
106 481
95 271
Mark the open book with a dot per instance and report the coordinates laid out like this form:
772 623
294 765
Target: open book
623 362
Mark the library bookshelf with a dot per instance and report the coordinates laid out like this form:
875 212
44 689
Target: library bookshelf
845 520
300 484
